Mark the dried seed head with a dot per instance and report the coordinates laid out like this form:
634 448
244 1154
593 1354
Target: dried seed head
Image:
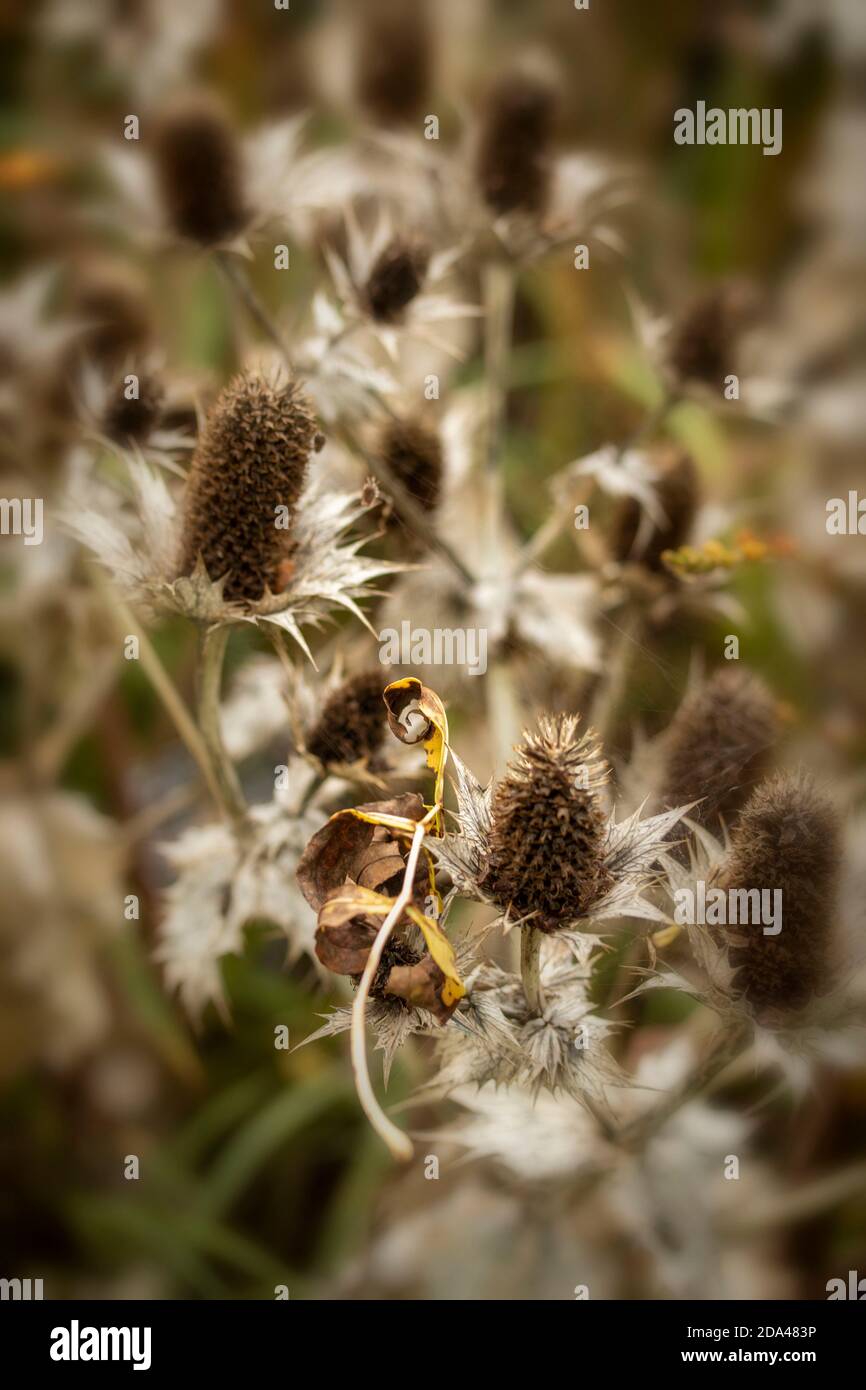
513 161
200 173
396 278
717 744
251 459
412 452
395 58
678 490
787 838
112 307
352 724
703 341
548 828
132 418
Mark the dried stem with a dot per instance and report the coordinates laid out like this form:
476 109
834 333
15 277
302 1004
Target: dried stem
410 512
234 273
212 649
159 678
530 967
399 1143
617 666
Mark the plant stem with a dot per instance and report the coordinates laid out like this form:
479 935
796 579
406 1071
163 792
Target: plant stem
410 513
212 649
399 1143
234 273
618 662
126 625
530 967
498 289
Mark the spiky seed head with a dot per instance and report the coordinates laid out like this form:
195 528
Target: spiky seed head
117 323
703 341
513 160
126 418
787 838
412 452
678 490
396 278
395 59
718 742
353 722
548 828
250 460
200 171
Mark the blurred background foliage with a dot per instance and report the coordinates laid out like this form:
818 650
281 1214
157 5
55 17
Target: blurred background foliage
257 1168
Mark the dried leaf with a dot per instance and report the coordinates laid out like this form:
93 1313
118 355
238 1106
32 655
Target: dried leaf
452 988
422 985
343 849
347 928
417 715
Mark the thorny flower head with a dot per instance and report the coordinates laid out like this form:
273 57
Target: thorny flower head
787 980
502 1038
200 182
540 845
507 189
257 542
386 283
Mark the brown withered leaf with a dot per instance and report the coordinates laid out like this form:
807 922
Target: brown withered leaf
343 936
352 848
348 922
417 715
422 985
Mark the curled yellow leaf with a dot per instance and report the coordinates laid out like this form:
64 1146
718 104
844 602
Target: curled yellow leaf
417 715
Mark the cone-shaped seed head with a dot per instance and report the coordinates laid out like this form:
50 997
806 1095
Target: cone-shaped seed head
787 838
513 162
703 342
718 743
548 829
250 461
413 454
678 490
395 59
132 418
200 173
396 278
112 306
353 722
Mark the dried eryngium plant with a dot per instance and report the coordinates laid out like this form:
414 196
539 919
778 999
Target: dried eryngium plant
490 855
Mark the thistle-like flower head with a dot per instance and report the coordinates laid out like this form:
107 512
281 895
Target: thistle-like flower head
787 838
200 172
548 828
413 454
353 724
396 278
677 488
703 341
251 461
717 743
394 59
514 157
